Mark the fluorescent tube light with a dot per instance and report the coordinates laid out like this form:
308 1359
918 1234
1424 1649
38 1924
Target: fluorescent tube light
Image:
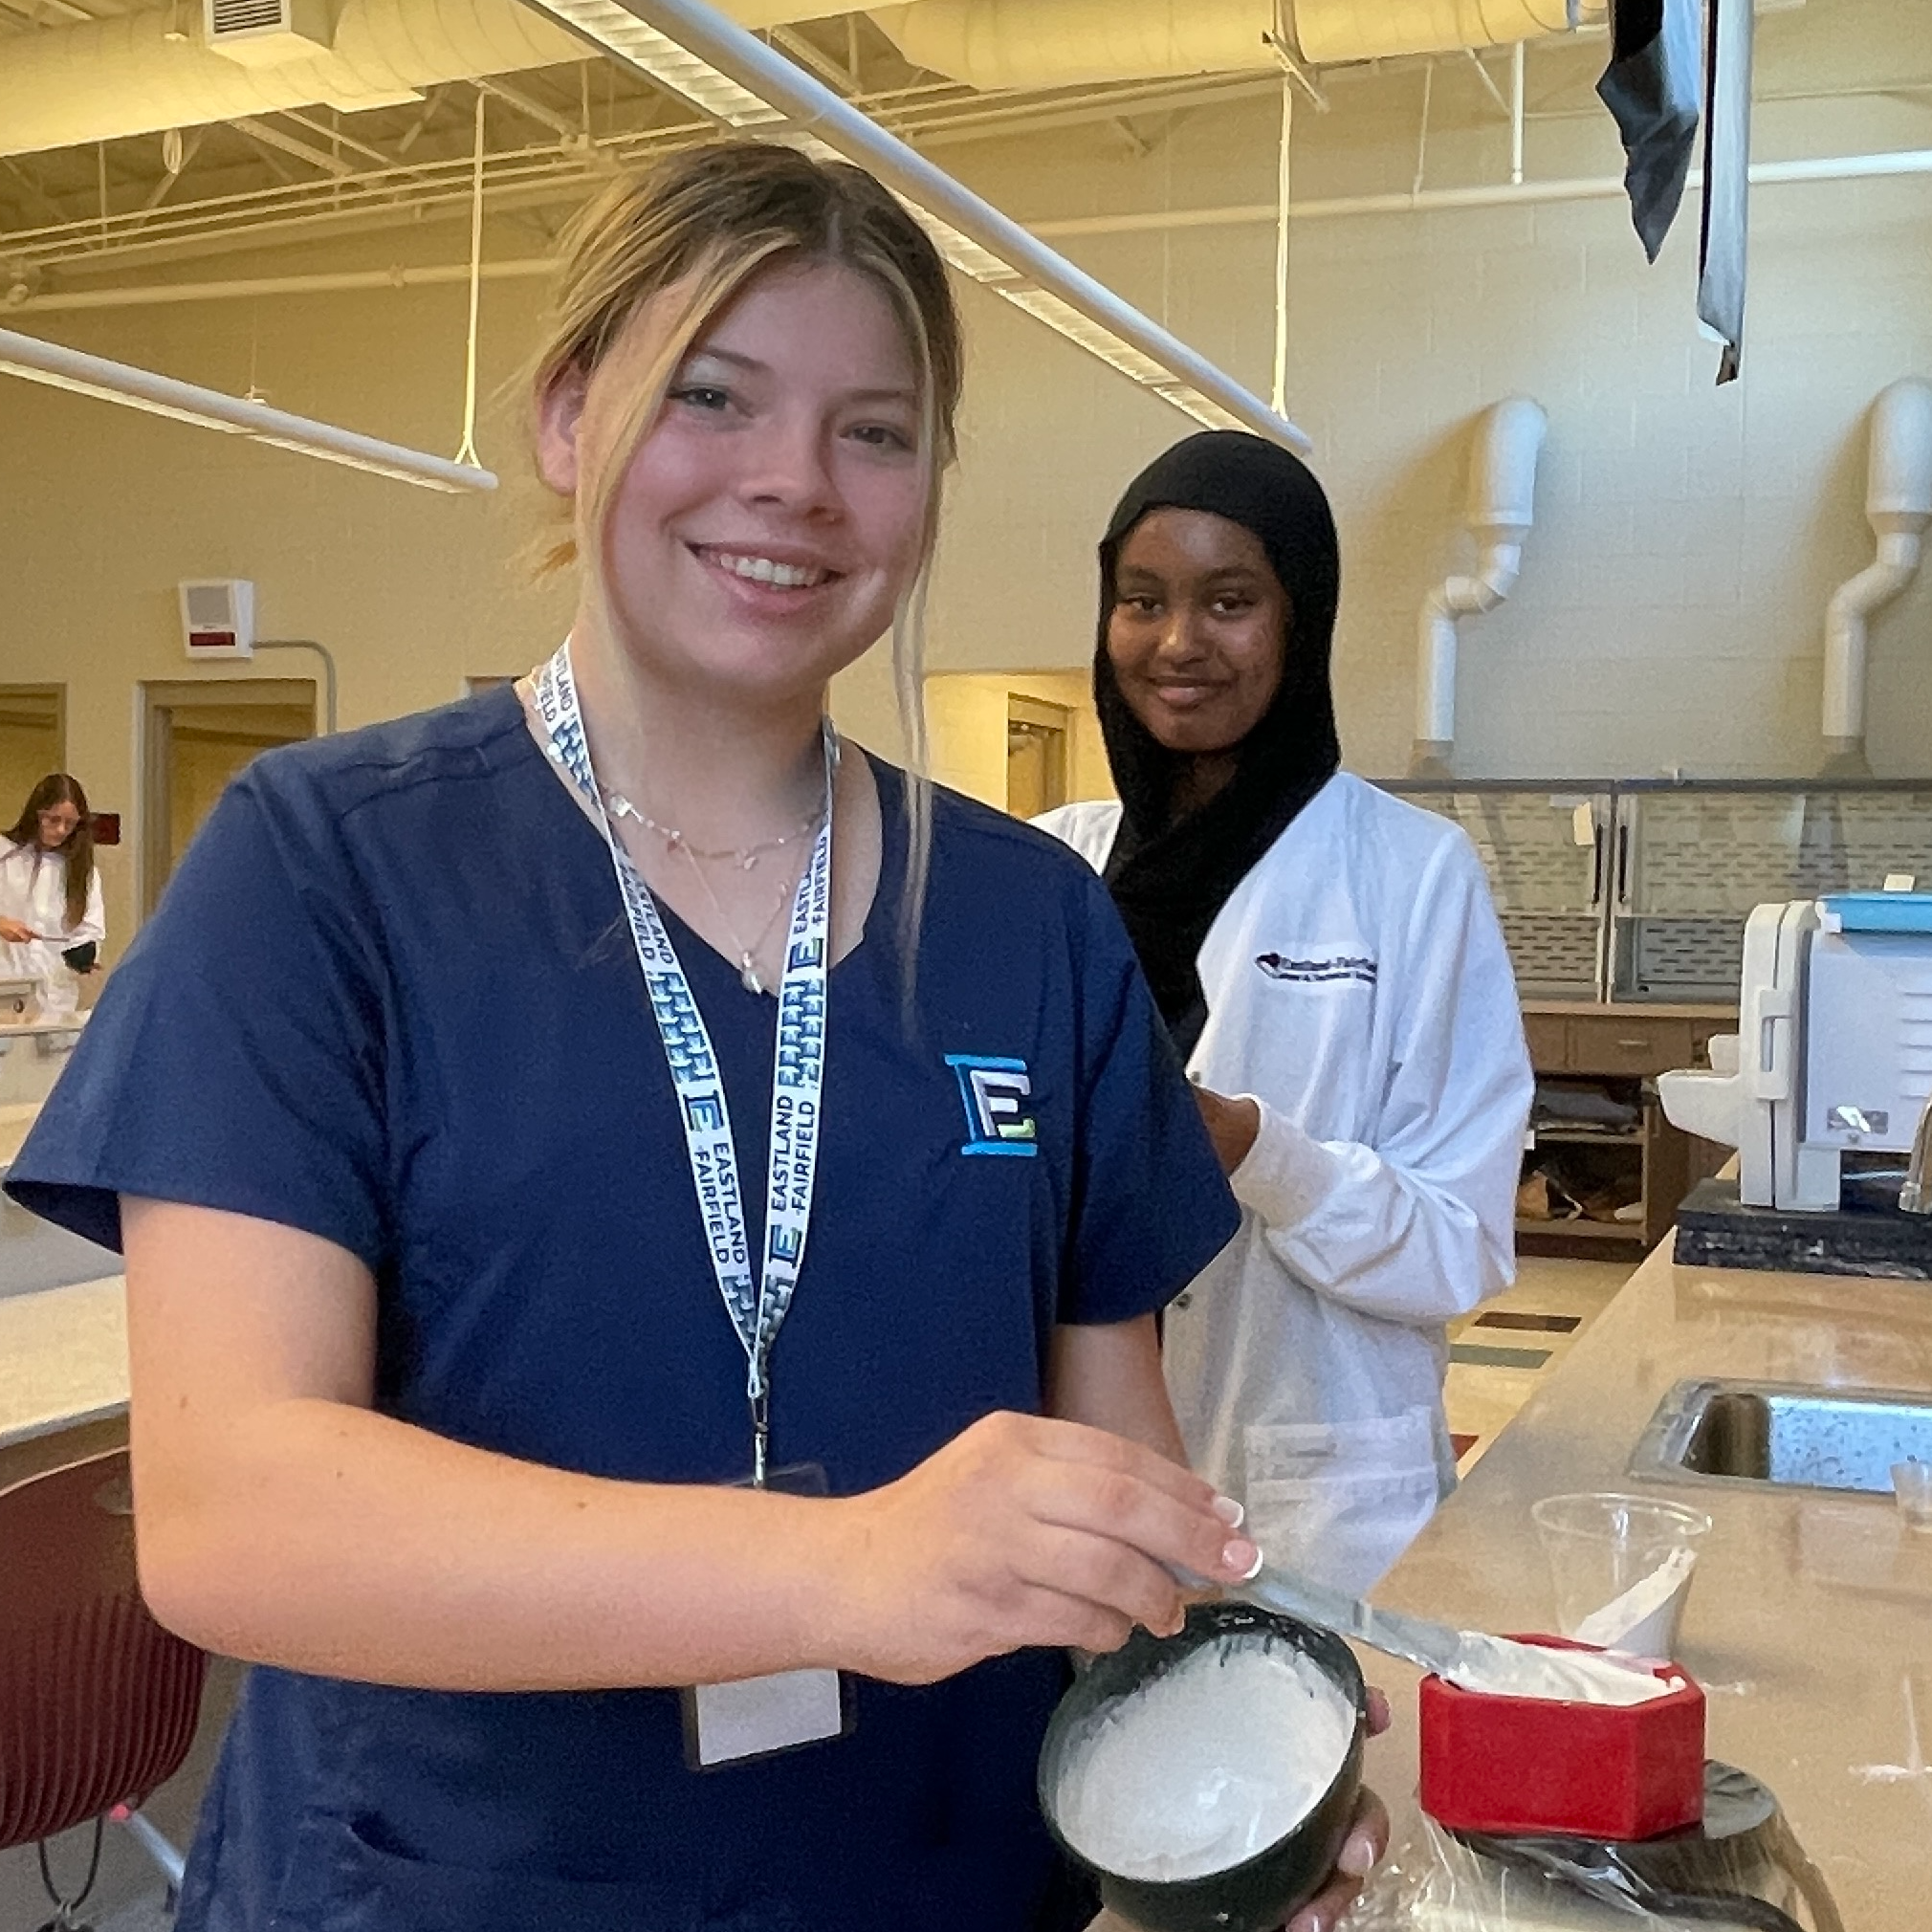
736 79
64 368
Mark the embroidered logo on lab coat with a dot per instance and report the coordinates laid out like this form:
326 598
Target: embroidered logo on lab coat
994 1091
1316 971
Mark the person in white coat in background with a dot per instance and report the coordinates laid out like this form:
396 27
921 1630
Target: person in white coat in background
1330 964
51 918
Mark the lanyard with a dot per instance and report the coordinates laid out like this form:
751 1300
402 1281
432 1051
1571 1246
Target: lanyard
798 1069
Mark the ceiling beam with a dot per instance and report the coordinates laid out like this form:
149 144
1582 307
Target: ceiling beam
270 158
432 101
270 136
559 124
789 40
336 134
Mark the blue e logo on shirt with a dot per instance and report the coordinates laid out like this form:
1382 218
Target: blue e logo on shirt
993 1091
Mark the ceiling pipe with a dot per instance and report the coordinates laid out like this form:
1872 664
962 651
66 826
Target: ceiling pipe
1898 505
1502 509
1062 43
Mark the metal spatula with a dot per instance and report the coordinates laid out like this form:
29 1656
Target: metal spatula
1430 1646
1467 1657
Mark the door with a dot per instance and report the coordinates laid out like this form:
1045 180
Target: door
1035 755
197 735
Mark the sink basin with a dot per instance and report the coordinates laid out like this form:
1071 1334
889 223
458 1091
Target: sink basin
1785 1434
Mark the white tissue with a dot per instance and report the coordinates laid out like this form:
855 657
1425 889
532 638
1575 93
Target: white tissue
1639 1621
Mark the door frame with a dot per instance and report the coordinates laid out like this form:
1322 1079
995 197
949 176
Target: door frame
159 699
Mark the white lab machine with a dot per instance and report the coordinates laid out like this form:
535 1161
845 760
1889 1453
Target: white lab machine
1833 1054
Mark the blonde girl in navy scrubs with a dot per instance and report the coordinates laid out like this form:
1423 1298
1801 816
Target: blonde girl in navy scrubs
593 1136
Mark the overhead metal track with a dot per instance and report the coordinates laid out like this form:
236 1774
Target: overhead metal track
738 81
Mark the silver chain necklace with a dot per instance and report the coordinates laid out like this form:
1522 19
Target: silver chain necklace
744 858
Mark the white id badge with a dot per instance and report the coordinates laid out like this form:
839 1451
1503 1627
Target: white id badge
725 1723
759 1716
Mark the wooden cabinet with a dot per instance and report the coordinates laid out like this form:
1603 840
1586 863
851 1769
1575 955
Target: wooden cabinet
1620 1043
1607 1040
1625 1048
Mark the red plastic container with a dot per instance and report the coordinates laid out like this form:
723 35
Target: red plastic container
1518 1765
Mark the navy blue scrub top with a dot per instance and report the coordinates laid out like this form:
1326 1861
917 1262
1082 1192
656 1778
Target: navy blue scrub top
390 998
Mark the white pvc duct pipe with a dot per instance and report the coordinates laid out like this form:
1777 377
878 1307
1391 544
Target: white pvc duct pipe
1055 43
1898 505
1502 509
1330 30
1061 43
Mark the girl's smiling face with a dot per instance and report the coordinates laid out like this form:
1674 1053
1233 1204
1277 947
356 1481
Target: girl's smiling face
774 515
1199 629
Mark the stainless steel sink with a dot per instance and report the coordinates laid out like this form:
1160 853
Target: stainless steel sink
1785 1434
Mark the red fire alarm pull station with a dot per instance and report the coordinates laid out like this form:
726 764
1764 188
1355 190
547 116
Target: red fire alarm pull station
107 828
218 617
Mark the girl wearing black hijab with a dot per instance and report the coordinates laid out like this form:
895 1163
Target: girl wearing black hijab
1330 964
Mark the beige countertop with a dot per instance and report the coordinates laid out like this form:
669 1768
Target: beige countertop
1810 1618
63 1358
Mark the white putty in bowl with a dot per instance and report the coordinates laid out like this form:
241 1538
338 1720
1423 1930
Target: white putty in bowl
1207 1766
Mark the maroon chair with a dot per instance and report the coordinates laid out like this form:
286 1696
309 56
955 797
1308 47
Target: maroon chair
98 1703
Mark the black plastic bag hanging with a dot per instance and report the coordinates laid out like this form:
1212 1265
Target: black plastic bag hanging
1651 89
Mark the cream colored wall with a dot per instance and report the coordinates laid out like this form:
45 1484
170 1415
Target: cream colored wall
1670 608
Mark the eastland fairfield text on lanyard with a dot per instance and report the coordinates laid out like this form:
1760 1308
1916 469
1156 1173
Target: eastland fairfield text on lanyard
757 1311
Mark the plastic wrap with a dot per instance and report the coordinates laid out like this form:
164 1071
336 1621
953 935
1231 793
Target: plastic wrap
1742 1872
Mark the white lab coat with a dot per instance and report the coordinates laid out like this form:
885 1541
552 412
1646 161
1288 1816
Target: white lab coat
34 890
1357 988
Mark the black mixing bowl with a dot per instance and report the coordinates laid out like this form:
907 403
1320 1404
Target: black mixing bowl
1260 1894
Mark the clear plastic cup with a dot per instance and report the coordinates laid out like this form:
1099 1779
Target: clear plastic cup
1600 1547
1912 1486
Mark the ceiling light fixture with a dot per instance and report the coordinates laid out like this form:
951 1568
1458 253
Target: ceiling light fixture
737 80
84 375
